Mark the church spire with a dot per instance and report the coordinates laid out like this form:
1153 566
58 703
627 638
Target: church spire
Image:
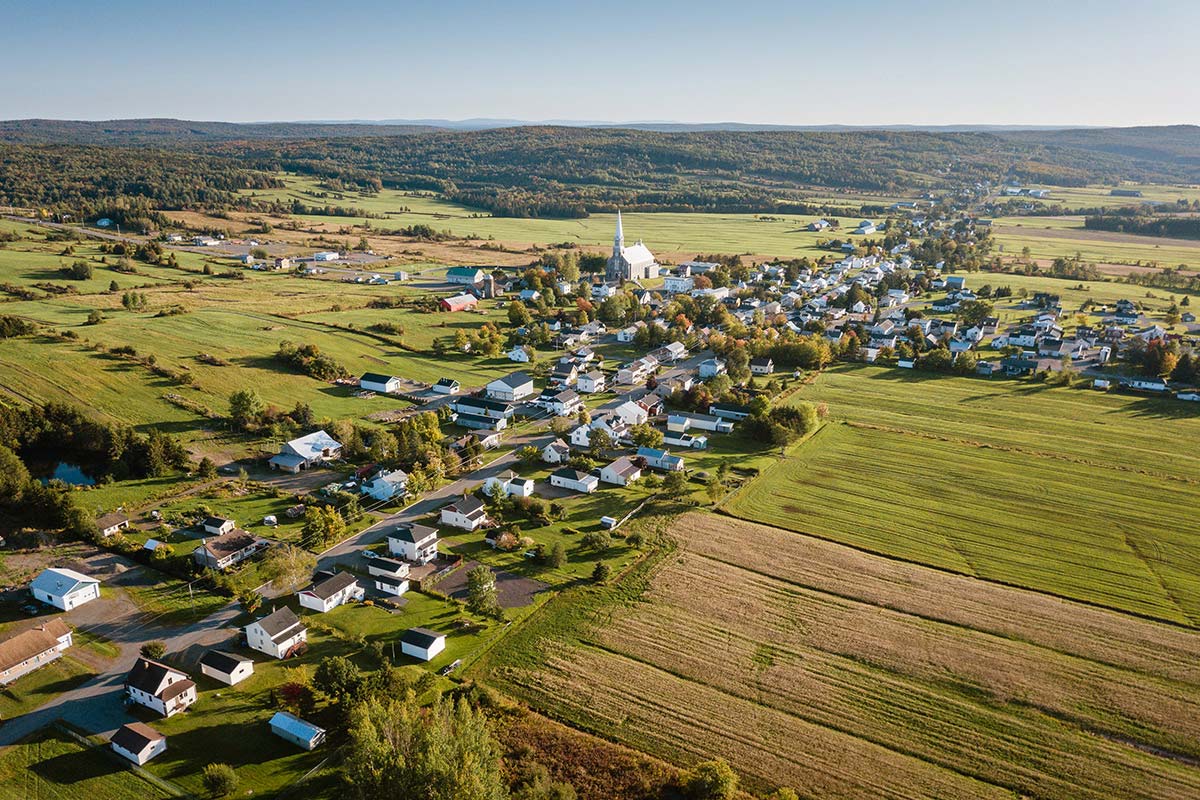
619 238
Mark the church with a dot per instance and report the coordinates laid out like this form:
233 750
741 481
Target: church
629 263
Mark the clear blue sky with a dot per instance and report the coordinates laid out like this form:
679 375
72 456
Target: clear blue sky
799 62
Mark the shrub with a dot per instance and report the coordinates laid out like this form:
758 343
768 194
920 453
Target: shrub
219 780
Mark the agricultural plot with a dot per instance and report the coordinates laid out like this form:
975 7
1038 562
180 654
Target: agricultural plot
1054 237
844 674
1064 491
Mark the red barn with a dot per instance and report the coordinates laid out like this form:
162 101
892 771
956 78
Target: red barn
460 302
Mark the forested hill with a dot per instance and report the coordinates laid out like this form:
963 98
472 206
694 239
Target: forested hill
570 171
177 131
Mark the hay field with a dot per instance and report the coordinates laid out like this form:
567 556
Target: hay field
1081 495
844 674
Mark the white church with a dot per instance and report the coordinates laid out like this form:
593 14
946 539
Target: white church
629 263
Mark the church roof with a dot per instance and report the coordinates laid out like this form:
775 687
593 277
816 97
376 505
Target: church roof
637 255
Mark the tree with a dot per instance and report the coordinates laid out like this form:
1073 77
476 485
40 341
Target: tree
246 409
481 591
711 780
557 556
518 314
599 440
445 752
323 526
596 540
600 573
154 650
94 317
974 312
207 471
288 567
645 436
337 677
219 780
675 484
715 490
250 600
529 454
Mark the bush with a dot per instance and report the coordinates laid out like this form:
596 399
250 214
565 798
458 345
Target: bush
711 780
596 540
154 650
219 780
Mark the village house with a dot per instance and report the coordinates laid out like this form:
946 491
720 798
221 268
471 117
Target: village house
228 549
64 588
137 742
557 452
660 459
291 728
627 335
327 595
488 440
510 388
762 366
112 523
422 643
521 354
710 368
22 653
466 513
306 452
686 440
562 404
575 480
385 484
447 386
160 688
681 421
227 668
621 472
591 382
383 384
564 374
483 407
637 371
677 284
414 542
217 526
616 428
631 413
278 634
391 576
730 411
508 483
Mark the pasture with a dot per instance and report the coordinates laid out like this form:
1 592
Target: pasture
1066 491
1053 237
809 664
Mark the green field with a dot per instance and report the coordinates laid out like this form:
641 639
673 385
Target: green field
1055 237
53 766
46 683
1100 196
1065 491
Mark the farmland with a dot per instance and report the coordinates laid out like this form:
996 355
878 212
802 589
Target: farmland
1060 490
845 674
1064 237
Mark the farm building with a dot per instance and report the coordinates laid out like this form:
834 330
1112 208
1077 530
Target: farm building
64 588
413 542
762 366
326 255
730 411
276 634
226 667
137 742
374 382
446 386
422 643
459 302
464 276
483 407
22 653
307 451
159 687
329 594
297 731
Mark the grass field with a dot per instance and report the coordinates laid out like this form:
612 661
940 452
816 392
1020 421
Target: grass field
844 674
1100 196
1065 491
1054 237
53 766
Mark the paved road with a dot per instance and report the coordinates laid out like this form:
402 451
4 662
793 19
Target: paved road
97 706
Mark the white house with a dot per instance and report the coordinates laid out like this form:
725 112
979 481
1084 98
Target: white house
679 422
631 413
422 643
159 687
297 731
217 526
64 588
413 542
329 594
374 382
228 549
466 513
621 472
225 667
557 452
391 576
614 426
591 382
686 440
137 742
508 483
564 403
276 634
385 484
307 451
762 366
516 386
22 653
626 335
660 459
520 354
676 284
712 367
112 523
447 386
573 479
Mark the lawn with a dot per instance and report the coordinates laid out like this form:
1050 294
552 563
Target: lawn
43 685
52 766
813 665
1065 491
170 601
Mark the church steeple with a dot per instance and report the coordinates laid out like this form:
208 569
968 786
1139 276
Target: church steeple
619 237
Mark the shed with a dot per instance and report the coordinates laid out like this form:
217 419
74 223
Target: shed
297 731
422 643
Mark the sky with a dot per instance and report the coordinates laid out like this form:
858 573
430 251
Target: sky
921 62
